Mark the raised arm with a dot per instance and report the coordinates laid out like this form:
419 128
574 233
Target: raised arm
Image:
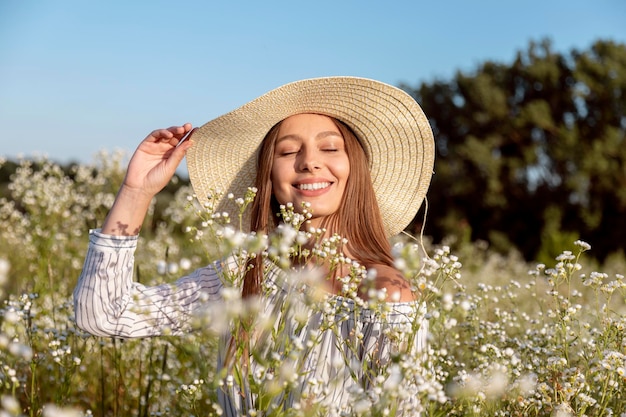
107 301
150 169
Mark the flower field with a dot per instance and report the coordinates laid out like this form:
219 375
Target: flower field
507 337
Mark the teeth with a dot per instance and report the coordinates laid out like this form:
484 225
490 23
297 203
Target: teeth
314 186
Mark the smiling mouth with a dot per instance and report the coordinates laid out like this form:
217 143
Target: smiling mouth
313 186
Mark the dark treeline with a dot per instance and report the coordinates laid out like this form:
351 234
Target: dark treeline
530 154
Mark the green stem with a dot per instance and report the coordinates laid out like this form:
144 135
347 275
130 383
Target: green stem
33 402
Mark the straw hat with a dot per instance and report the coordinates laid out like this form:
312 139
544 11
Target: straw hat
390 125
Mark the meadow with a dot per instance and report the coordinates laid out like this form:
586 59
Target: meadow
507 337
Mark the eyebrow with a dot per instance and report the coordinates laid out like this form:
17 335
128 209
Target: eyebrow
320 135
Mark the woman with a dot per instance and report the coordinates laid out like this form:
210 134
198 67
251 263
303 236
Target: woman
357 153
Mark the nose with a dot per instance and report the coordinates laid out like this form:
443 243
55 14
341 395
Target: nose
308 161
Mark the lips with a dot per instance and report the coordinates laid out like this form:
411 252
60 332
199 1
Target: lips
313 186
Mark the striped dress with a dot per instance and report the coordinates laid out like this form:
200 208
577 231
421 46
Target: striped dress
340 361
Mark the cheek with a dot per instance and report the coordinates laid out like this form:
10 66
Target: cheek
275 170
278 187
345 168
276 174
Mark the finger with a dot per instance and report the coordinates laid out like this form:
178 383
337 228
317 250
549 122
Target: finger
177 155
171 135
180 131
161 134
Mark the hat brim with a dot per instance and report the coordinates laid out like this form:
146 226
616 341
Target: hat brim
389 123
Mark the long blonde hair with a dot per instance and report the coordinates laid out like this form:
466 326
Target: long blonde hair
358 218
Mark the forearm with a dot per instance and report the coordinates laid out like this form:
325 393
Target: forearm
107 302
127 213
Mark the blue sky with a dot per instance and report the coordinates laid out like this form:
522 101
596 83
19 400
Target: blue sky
77 77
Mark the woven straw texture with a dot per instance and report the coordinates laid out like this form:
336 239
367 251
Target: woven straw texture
391 126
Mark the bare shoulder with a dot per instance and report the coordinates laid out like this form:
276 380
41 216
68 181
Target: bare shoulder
397 286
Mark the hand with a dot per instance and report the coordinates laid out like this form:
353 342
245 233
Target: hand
150 169
156 159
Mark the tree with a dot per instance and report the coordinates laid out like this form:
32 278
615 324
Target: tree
532 154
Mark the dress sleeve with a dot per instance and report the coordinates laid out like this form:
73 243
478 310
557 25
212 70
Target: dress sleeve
107 301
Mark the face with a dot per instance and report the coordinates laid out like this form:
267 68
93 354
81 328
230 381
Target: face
310 164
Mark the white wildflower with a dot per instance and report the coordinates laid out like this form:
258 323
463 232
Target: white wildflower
5 266
185 264
172 268
562 410
584 246
161 267
10 404
52 410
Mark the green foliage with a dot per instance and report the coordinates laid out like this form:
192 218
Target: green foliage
516 141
